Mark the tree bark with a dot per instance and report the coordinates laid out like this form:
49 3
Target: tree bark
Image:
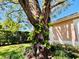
41 28
41 37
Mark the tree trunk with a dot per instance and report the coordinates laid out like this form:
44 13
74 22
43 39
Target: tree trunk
40 23
41 38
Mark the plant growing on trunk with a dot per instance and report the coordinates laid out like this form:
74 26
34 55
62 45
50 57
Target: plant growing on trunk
40 19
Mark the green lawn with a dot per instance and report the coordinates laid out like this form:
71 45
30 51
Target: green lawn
17 52
13 51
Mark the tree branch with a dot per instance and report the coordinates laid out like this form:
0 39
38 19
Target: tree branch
5 3
46 11
36 8
26 7
57 4
8 14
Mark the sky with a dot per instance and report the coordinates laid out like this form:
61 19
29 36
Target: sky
70 10
73 8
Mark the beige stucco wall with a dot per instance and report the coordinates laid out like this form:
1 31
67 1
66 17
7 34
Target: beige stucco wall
65 31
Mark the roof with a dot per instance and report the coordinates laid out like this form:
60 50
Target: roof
70 17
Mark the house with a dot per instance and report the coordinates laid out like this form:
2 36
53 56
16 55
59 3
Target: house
65 30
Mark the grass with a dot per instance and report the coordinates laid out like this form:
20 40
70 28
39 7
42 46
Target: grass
13 51
17 52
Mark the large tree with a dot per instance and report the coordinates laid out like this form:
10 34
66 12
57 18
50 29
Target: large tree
40 19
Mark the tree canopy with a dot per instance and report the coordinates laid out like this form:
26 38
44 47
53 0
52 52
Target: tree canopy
39 17
55 6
